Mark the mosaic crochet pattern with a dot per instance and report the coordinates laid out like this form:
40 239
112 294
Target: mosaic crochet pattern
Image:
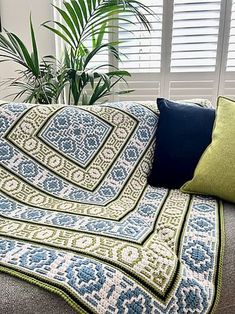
76 212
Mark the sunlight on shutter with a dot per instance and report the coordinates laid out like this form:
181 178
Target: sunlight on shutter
231 49
195 35
142 49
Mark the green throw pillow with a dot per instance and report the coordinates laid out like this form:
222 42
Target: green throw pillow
215 172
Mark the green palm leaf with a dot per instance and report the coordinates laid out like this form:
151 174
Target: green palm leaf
84 17
35 49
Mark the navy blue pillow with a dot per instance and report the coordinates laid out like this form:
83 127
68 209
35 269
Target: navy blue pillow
184 132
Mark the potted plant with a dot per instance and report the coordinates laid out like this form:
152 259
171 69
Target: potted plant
82 27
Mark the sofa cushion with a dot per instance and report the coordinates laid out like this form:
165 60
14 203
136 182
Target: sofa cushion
183 133
215 172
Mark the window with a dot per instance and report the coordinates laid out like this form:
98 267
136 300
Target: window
227 72
231 49
142 49
190 52
195 35
189 63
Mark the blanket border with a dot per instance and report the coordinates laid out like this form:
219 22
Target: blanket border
59 291
218 288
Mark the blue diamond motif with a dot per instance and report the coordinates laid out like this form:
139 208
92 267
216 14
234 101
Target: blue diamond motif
198 256
131 154
76 133
6 152
28 169
53 185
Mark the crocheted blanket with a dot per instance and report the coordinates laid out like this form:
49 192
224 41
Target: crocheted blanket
78 218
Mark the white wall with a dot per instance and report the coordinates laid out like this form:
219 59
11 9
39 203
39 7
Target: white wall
15 18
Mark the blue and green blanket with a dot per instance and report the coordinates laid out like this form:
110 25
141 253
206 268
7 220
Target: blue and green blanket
78 218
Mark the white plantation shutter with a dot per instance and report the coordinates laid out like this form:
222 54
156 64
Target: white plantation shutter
195 35
189 32
142 49
227 81
190 52
231 49
142 55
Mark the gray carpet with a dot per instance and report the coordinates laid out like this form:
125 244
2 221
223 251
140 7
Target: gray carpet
19 297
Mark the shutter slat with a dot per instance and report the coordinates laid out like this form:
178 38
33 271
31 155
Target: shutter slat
194 47
199 15
193 55
196 31
195 23
199 2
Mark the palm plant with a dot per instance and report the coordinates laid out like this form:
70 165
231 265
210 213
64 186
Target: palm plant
83 27
36 80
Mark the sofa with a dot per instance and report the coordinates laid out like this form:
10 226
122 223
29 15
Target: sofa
81 231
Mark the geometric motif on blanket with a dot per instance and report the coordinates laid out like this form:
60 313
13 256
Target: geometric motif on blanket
76 212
